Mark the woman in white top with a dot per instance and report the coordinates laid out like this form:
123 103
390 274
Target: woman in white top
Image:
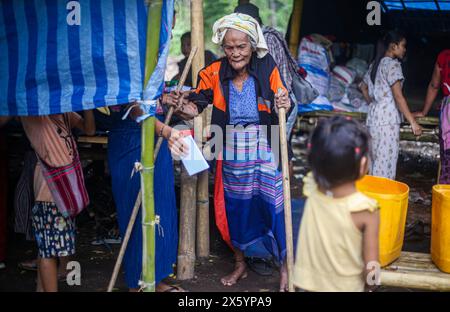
382 88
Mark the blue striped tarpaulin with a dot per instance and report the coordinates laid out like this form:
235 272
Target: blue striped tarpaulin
58 56
155 85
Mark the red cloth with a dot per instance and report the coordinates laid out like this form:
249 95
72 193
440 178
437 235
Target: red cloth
219 205
444 64
3 193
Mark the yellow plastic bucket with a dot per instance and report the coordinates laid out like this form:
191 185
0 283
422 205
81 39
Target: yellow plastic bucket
392 196
440 227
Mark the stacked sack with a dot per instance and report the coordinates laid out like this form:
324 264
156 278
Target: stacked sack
314 57
344 93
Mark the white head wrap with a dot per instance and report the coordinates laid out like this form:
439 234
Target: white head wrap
244 23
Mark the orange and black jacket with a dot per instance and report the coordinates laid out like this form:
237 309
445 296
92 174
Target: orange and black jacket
213 87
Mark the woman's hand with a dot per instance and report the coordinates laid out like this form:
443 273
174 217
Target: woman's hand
136 111
172 99
282 100
418 114
177 145
416 128
187 109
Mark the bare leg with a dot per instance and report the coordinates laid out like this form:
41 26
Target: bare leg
133 290
240 270
48 273
284 287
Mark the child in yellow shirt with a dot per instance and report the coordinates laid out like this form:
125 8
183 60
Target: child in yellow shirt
338 239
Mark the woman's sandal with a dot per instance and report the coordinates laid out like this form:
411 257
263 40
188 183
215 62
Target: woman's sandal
29 265
173 288
165 287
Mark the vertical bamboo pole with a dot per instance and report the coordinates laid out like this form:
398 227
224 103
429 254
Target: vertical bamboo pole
147 158
273 16
294 38
186 248
286 198
197 40
188 211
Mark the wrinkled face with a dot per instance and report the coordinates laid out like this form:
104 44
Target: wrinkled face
399 49
186 46
237 48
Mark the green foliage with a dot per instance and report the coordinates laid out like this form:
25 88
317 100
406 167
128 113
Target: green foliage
215 9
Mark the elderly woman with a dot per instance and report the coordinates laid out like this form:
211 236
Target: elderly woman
245 89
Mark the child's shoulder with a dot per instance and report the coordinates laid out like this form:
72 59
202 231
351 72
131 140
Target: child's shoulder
360 202
309 185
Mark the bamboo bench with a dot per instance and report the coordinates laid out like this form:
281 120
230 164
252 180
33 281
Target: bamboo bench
308 121
93 139
415 270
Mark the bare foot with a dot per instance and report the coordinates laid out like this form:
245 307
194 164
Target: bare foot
240 272
284 287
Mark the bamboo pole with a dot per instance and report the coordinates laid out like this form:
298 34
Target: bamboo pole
186 247
147 154
197 39
294 38
417 280
287 198
124 245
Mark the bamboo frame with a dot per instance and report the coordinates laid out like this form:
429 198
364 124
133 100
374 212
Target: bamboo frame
415 270
424 121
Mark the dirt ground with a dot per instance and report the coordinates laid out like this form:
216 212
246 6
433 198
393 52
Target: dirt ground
97 261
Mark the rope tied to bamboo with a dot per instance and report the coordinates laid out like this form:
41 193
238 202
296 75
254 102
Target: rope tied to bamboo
143 285
148 108
156 222
139 167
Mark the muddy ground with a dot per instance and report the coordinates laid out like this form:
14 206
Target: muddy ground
416 169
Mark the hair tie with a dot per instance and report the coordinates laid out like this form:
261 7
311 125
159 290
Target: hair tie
357 150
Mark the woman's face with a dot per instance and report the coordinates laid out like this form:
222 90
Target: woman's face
399 49
237 48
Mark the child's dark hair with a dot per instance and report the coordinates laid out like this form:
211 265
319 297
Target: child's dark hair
335 150
393 36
